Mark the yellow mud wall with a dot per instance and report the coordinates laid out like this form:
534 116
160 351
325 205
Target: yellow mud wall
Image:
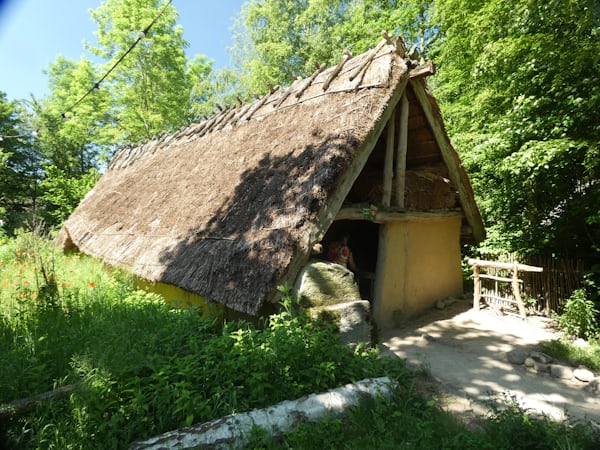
419 262
180 298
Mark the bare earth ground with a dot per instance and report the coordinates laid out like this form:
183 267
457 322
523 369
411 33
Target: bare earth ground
464 352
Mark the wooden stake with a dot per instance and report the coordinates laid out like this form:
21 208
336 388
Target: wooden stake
401 152
388 169
338 68
310 80
367 60
400 46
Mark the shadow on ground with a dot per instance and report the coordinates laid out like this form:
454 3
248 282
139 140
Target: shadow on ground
465 352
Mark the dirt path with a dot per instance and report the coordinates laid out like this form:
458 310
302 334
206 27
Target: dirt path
465 352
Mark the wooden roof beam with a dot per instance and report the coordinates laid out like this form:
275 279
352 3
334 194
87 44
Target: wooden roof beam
396 215
422 71
455 170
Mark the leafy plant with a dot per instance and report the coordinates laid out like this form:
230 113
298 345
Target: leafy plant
578 318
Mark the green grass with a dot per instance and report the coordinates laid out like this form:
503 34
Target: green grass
566 350
142 367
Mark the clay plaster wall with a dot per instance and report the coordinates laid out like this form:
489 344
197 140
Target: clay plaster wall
419 262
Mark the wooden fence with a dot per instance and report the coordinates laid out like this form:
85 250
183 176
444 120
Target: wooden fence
555 285
506 291
551 287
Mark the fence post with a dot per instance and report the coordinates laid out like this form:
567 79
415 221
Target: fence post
476 287
515 289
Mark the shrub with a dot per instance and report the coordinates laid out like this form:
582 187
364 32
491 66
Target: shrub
578 318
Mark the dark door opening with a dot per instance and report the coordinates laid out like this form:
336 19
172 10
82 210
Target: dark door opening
363 240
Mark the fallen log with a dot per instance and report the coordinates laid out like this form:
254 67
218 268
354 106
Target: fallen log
24 405
232 431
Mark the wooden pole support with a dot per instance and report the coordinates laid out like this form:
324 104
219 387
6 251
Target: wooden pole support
401 152
388 169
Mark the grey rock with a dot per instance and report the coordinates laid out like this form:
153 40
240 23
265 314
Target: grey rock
594 386
541 367
583 374
352 319
516 356
541 357
582 343
529 362
428 337
560 371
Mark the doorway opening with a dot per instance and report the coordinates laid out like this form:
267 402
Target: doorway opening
363 240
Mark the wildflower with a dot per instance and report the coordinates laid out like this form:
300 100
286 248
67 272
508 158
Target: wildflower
25 282
92 285
34 295
35 269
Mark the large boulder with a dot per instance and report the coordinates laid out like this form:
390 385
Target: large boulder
351 319
331 294
322 283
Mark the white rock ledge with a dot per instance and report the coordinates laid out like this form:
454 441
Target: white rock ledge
231 431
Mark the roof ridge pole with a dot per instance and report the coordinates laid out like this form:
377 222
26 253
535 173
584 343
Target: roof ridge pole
388 168
338 68
401 151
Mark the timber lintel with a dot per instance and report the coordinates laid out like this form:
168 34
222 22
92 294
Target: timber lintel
396 215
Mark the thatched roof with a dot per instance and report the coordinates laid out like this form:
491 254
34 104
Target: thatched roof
229 208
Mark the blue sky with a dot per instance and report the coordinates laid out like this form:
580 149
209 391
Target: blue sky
34 32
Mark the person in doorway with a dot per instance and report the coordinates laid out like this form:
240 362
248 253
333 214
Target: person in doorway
339 252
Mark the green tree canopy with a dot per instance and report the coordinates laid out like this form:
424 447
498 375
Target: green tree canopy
151 88
19 164
277 40
518 84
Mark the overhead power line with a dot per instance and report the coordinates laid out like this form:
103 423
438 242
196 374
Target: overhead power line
141 35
